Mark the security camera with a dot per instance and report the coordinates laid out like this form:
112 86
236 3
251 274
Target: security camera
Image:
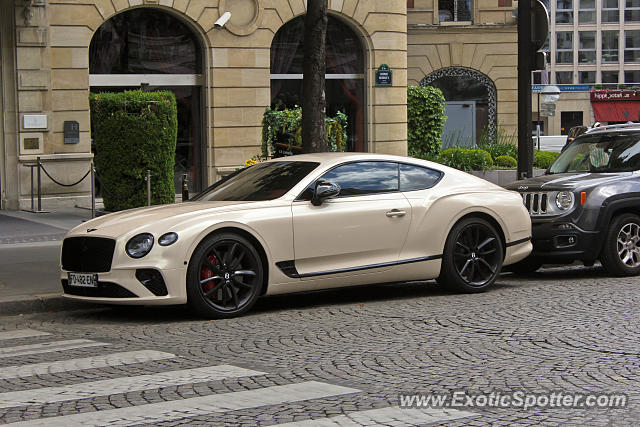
222 20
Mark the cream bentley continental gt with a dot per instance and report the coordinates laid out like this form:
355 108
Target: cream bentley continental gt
301 223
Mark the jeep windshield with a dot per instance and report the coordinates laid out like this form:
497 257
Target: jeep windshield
605 152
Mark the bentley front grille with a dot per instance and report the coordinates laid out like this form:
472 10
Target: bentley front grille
87 254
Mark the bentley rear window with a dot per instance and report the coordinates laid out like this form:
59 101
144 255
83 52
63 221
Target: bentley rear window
264 181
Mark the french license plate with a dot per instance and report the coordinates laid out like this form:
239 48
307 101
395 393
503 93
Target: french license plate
84 280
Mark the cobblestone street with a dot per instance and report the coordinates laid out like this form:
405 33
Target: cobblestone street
345 355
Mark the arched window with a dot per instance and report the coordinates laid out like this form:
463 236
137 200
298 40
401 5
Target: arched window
153 50
344 87
475 95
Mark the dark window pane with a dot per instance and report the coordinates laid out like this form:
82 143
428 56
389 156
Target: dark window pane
587 76
609 77
610 16
344 52
564 77
587 17
454 10
610 46
632 15
264 181
564 57
564 17
417 178
364 178
632 76
144 41
564 40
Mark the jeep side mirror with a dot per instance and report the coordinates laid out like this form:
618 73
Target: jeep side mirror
324 190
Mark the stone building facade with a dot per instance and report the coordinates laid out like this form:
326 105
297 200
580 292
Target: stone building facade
54 52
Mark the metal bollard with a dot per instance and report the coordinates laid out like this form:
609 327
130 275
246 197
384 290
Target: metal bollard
93 190
185 188
32 199
39 185
148 187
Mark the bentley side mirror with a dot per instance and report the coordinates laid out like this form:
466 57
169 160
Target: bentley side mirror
324 190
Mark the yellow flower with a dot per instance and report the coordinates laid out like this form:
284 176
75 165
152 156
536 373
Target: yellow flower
250 162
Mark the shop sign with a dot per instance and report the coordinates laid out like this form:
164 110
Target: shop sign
384 76
615 95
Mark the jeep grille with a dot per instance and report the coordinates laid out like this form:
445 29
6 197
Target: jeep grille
538 203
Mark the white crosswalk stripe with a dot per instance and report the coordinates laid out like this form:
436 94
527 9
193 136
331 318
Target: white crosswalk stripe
47 347
46 395
21 333
108 360
151 413
395 416
196 406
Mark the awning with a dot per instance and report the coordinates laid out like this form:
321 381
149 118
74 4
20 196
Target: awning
616 105
616 111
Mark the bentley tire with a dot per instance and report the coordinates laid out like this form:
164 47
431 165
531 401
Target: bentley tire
224 277
472 256
620 254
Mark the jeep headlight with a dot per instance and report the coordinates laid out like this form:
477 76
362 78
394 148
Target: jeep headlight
564 200
139 245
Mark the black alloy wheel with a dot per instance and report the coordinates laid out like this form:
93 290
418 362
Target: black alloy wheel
225 276
472 257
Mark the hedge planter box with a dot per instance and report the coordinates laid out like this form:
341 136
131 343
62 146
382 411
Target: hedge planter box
502 177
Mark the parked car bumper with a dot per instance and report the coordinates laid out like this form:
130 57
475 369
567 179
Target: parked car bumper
563 242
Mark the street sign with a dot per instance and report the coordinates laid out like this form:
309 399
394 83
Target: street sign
384 76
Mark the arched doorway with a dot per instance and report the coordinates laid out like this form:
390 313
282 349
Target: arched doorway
154 50
471 99
345 82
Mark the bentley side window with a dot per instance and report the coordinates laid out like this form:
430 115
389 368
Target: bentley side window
414 177
361 178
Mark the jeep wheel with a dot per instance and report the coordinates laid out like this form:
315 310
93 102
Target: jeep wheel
621 250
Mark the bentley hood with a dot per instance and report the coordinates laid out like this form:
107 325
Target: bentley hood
162 218
566 181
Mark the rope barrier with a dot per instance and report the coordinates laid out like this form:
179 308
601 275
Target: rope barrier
59 183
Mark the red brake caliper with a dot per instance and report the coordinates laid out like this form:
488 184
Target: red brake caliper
206 273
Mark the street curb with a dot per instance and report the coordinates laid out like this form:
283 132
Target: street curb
39 305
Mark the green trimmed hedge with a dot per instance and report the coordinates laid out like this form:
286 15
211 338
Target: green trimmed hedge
544 159
482 159
425 120
134 131
505 161
466 159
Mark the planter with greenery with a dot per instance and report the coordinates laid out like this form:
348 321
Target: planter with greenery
134 131
282 132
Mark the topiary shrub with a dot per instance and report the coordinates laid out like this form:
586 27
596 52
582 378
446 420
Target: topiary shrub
466 159
544 159
134 131
505 162
425 120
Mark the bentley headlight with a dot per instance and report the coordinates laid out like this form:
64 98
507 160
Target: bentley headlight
139 245
564 200
167 239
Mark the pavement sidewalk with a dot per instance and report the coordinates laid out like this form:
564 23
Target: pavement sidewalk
29 259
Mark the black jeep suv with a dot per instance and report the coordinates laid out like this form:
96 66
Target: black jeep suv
586 206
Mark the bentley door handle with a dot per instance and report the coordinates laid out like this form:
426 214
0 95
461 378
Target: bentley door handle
395 212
